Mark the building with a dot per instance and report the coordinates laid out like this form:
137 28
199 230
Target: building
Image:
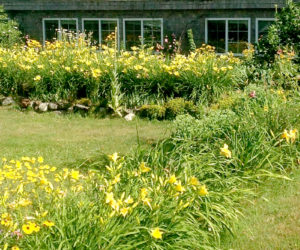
226 24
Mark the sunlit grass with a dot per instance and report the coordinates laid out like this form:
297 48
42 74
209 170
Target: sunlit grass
64 140
272 221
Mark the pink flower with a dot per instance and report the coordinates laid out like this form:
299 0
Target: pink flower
252 94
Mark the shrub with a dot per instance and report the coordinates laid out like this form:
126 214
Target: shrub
285 32
175 107
9 31
179 106
192 44
153 111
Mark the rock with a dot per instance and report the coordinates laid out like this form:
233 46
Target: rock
52 106
8 101
81 107
25 103
43 107
129 117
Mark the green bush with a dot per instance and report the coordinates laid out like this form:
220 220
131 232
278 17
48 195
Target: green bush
284 32
153 112
179 106
192 44
10 34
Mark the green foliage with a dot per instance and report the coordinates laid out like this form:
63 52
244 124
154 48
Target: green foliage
179 106
9 31
185 185
115 101
192 44
152 111
68 70
284 33
84 101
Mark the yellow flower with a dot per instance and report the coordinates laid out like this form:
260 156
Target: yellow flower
285 135
48 223
124 211
179 187
109 197
144 192
293 135
290 136
15 248
172 179
75 174
129 200
194 181
203 190
40 159
27 228
6 220
176 73
114 157
37 78
156 233
225 151
143 168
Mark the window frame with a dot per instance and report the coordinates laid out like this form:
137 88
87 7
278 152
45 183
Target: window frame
142 28
226 29
261 19
99 26
59 25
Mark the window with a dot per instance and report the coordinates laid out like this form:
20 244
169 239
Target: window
52 25
262 26
99 29
142 32
228 34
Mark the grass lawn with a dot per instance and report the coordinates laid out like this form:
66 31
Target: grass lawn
70 139
272 221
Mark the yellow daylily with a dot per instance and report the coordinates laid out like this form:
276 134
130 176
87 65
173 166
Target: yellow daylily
225 151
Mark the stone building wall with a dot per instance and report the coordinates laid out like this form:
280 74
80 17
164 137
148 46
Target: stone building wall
178 16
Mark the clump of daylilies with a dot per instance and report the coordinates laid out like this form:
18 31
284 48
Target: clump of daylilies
33 190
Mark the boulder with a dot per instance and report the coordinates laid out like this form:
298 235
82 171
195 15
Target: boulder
129 117
8 101
52 106
43 107
81 107
25 103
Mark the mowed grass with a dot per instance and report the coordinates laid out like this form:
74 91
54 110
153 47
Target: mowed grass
69 139
272 221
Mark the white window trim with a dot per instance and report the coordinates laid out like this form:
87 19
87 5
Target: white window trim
142 28
226 30
256 25
59 25
99 25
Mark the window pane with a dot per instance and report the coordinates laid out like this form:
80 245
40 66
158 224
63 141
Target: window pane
107 28
152 32
91 29
237 35
216 35
132 33
51 27
263 26
69 25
